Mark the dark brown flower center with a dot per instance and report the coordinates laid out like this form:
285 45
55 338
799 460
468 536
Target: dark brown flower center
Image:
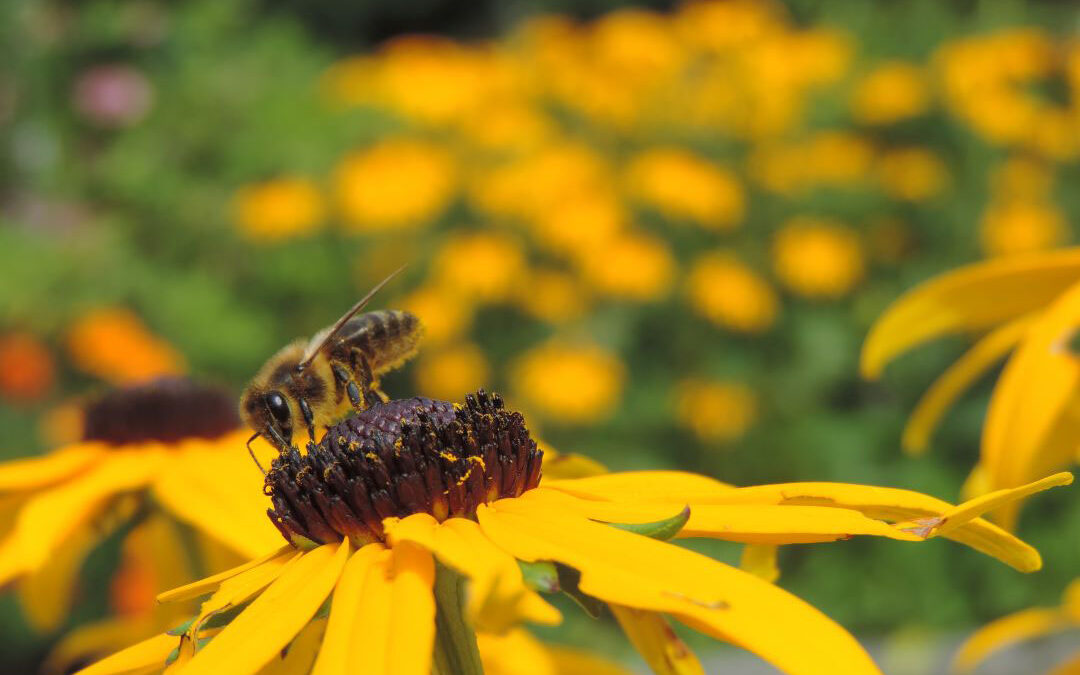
408 456
166 410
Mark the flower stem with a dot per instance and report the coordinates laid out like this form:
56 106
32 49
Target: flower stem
455 643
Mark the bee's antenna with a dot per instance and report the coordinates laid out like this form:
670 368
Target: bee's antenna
252 452
311 353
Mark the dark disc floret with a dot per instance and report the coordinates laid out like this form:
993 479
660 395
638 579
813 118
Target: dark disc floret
407 456
166 410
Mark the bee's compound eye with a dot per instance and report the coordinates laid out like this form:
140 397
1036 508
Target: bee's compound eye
275 402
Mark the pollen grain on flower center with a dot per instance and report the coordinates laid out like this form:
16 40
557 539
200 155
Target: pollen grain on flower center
416 455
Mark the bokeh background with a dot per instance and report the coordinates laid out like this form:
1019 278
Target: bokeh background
662 230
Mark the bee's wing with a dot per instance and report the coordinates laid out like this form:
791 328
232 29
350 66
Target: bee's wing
317 341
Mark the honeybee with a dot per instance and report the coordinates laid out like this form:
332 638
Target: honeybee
313 384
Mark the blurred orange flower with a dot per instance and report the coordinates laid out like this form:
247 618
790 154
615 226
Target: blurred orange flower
569 383
27 370
451 372
479 266
115 345
634 266
683 186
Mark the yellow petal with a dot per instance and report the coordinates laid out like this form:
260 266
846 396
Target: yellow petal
657 642
760 560
212 583
301 653
88 642
751 523
334 656
217 489
275 617
638 486
969 510
47 592
145 657
238 589
498 597
412 620
52 516
371 627
37 472
889 504
1008 630
1033 421
956 380
623 568
518 653
1070 601
972 298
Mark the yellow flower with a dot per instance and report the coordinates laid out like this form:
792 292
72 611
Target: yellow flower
277 209
479 266
632 266
570 383
818 258
715 410
552 296
393 564
397 183
508 127
682 186
1019 627
1027 305
828 159
113 344
1021 178
1021 227
727 292
444 313
580 225
721 26
893 91
169 447
27 370
912 174
449 372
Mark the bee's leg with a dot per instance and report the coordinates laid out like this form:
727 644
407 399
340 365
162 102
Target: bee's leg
372 395
341 374
309 419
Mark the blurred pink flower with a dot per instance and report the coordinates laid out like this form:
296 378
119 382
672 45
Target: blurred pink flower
113 95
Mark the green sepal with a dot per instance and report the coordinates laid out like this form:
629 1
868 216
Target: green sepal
569 578
181 629
540 576
660 529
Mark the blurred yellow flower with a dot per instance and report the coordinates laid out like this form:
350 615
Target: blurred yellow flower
552 296
450 372
396 183
683 186
508 127
892 91
715 410
830 158
730 294
912 174
278 209
569 383
581 224
818 258
444 313
1021 227
27 370
479 266
116 346
633 266
722 26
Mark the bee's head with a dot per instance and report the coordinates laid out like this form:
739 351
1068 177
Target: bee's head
268 413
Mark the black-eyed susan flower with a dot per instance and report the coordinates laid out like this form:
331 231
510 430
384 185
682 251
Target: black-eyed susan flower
164 455
396 507
279 208
818 258
114 344
730 294
1029 306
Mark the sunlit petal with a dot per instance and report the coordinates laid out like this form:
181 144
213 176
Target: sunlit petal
212 583
518 653
275 617
334 656
38 472
145 657
760 560
957 378
620 567
631 486
656 641
972 298
1008 630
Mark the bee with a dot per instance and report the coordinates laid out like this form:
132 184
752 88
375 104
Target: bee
313 384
